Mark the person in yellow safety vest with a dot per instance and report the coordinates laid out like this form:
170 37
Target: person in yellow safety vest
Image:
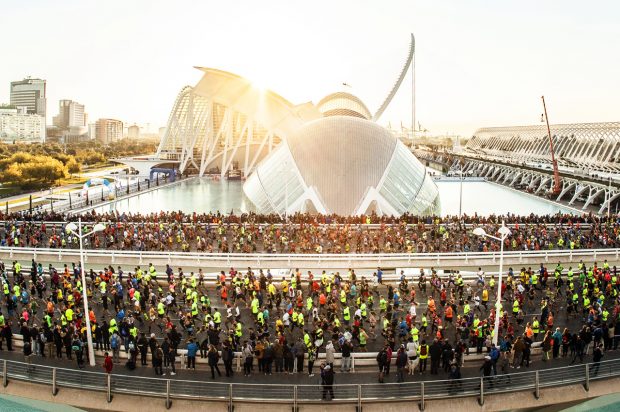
424 323
309 303
515 307
300 320
160 309
337 322
586 304
535 328
605 315
69 315
48 320
382 304
133 331
6 290
112 328
152 272
136 295
307 340
260 318
423 350
254 305
239 330
363 309
466 308
415 333
217 319
346 315
343 297
63 320
295 316
194 310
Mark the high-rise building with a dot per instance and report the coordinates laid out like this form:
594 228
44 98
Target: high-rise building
70 114
133 132
30 93
108 130
17 126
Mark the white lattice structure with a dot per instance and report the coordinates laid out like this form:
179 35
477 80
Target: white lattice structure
225 121
593 146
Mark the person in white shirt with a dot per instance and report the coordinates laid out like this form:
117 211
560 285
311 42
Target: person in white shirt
412 354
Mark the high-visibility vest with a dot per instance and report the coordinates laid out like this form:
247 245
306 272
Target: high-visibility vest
346 313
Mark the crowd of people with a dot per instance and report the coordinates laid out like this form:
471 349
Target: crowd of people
282 325
305 233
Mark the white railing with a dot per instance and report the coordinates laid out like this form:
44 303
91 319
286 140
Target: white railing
194 259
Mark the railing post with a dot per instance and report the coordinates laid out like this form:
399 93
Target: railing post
352 362
422 396
587 384
168 402
359 398
481 398
5 378
109 389
231 408
537 390
295 398
54 388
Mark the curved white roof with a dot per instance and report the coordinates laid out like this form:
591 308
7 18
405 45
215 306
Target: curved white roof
270 109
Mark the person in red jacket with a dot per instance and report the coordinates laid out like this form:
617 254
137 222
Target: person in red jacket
107 363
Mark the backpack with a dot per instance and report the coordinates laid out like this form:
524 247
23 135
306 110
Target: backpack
114 342
423 350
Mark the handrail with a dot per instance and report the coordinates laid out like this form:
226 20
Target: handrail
308 393
315 256
350 258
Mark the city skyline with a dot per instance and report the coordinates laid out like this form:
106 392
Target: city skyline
477 64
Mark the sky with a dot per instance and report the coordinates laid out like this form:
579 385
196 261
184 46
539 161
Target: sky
478 63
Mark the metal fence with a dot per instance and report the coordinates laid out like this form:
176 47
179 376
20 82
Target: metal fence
294 395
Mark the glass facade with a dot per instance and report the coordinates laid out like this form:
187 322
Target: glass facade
407 187
275 185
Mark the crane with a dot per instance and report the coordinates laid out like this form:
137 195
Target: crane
557 187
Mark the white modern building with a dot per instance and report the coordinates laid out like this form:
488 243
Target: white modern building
17 126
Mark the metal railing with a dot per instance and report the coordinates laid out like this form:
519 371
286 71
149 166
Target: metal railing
356 260
295 395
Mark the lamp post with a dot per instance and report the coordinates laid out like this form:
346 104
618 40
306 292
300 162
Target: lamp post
504 232
461 191
76 230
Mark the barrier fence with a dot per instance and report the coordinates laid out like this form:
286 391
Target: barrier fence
357 260
294 395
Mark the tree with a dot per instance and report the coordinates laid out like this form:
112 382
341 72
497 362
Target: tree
73 166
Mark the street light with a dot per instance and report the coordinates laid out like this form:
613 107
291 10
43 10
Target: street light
504 232
76 230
